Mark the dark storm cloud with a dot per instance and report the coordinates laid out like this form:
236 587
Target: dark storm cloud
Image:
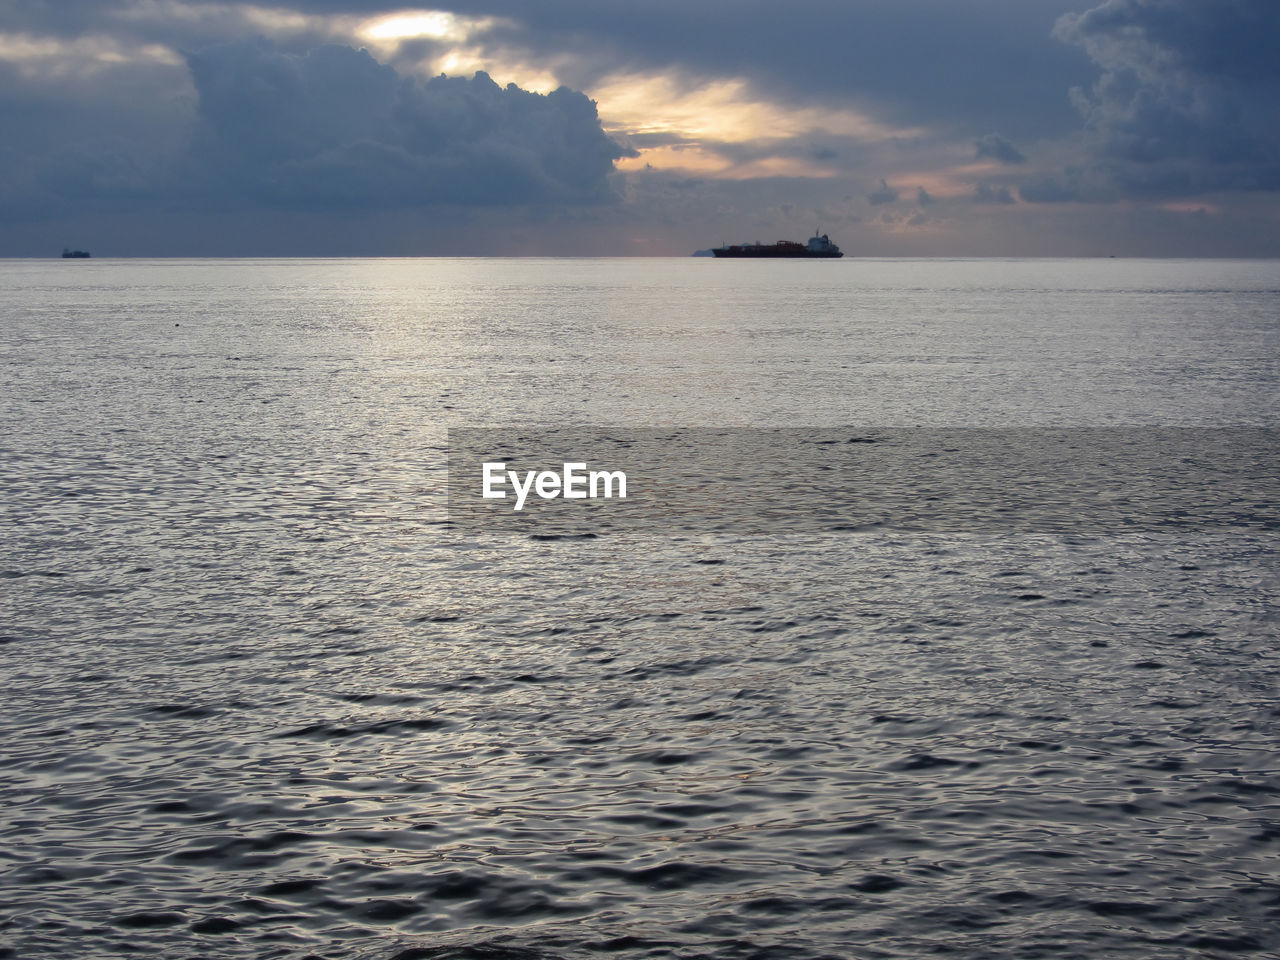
336 126
1186 102
331 127
72 139
995 147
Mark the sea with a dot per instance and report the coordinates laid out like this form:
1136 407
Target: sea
266 696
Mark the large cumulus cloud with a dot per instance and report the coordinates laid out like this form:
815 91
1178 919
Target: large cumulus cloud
909 61
330 127
1186 102
334 126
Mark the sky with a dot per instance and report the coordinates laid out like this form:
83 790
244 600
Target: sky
650 127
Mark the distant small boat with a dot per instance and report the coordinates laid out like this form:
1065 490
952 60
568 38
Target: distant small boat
69 254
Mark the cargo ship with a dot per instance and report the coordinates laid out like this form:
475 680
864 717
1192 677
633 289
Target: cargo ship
819 245
69 254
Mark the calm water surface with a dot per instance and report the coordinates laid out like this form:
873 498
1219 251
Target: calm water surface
262 701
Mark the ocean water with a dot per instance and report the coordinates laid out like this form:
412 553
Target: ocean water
263 699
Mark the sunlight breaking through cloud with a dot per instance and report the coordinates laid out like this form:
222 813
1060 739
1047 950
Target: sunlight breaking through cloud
428 24
723 110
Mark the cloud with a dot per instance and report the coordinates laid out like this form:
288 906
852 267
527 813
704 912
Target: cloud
1049 190
334 126
985 193
885 194
910 62
995 147
1186 102
165 114
239 124
86 121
